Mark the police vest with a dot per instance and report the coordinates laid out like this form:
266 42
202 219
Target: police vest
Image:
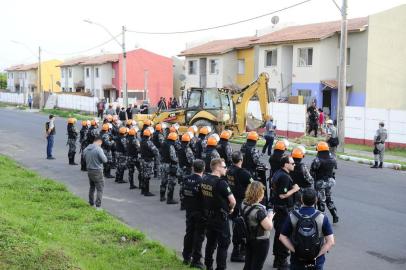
326 168
183 162
275 160
166 151
53 131
210 150
222 150
83 135
298 176
248 161
132 146
155 139
146 150
191 192
105 140
212 200
72 134
120 141
199 147
91 135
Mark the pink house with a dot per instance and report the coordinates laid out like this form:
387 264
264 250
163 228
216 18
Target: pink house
146 70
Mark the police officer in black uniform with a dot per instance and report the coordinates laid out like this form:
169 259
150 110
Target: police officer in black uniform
238 179
224 147
322 169
83 143
300 175
107 145
185 157
192 200
284 189
251 154
218 202
133 157
275 158
158 137
200 144
72 137
210 153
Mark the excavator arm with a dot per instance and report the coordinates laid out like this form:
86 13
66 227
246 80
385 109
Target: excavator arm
241 98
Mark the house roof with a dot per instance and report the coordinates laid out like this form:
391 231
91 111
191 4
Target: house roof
219 46
101 59
311 32
22 67
13 68
333 84
73 62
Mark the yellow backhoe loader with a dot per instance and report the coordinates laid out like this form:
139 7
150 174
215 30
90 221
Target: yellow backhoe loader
216 107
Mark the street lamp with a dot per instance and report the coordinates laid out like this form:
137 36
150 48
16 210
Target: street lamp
122 45
41 92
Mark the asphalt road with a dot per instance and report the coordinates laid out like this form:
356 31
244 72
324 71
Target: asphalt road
371 203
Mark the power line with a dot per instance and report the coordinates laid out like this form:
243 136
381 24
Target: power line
86 50
219 26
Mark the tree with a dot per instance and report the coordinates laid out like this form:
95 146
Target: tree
3 80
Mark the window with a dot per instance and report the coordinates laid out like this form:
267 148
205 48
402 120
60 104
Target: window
97 72
306 93
211 99
348 56
272 93
214 66
194 99
70 73
241 66
87 72
271 58
70 89
192 66
305 57
62 73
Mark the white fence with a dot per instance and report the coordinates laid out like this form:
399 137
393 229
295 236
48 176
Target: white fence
14 98
361 124
290 119
87 104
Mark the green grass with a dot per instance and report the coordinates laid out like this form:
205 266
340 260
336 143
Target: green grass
43 226
400 152
69 113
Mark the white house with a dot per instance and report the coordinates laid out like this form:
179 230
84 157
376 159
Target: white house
72 79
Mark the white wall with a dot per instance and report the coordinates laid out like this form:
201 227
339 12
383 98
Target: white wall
14 98
328 58
229 69
215 79
75 102
306 74
192 80
273 71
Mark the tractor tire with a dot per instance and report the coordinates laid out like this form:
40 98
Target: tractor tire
200 123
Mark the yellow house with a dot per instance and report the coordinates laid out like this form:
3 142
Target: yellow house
51 75
246 58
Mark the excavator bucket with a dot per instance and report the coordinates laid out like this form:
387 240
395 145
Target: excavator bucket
253 123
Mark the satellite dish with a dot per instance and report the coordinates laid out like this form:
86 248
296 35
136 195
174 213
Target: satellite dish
275 20
182 77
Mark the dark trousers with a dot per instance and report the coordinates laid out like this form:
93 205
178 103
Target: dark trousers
279 249
218 235
313 126
50 145
194 237
96 182
268 145
100 113
30 105
294 266
256 253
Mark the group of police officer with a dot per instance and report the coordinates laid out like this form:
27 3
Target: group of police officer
212 178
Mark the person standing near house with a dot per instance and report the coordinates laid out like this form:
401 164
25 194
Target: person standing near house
332 137
174 103
30 101
100 109
313 119
122 115
321 121
170 103
379 142
135 110
49 134
144 107
110 110
72 137
130 111
269 135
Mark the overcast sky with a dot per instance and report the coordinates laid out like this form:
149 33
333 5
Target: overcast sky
58 27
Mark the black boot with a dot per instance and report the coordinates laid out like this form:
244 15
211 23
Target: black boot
170 199
146 192
333 212
107 173
162 196
375 165
70 159
73 158
380 165
236 255
131 180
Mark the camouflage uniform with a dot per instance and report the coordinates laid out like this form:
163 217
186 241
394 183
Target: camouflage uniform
107 144
72 137
158 139
149 158
209 154
251 157
379 141
225 150
322 170
200 146
170 169
121 156
302 177
83 144
133 159
114 134
186 158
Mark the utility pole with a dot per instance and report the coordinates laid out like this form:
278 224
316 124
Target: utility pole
41 92
125 96
342 78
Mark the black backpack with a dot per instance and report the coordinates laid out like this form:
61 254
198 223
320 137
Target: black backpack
307 235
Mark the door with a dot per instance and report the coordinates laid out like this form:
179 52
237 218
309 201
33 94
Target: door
327 99
203 72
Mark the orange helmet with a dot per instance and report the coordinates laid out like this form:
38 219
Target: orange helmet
71 120
297 153
158 127
225 134
129 122
123 130
105 127
322 146
84 123
132 132
172 129
147 122
280 145
109 117
192 129
253 135
93 123
204 130
212 141
147 133
186 137
172 136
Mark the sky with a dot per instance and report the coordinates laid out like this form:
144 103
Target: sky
58 26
